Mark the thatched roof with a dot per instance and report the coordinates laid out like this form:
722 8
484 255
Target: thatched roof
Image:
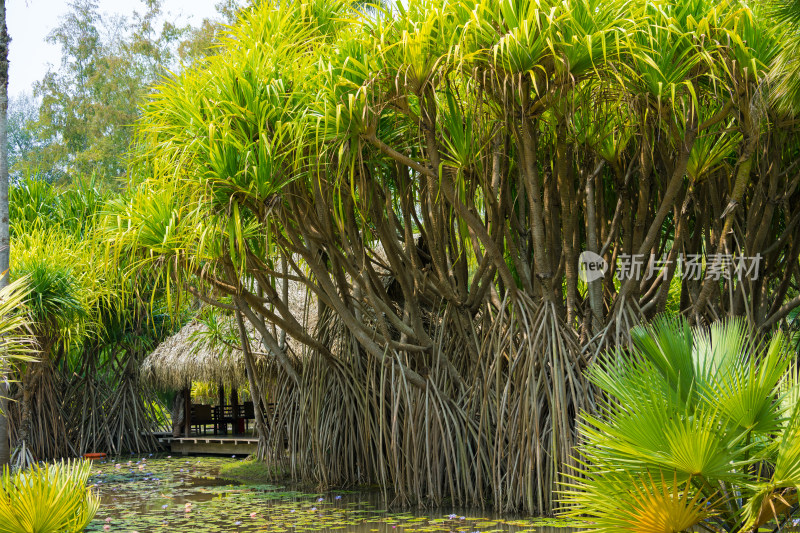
189 355
185 357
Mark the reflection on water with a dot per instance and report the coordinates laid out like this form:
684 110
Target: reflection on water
183 495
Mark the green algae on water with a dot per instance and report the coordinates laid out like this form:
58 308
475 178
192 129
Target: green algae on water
187 495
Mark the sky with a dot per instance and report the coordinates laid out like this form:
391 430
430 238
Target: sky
29 22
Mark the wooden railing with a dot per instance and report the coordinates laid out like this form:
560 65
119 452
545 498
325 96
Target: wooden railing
219 417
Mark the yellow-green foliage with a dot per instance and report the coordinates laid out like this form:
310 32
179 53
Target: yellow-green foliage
72 279
50 498
14 326
689 417
204 392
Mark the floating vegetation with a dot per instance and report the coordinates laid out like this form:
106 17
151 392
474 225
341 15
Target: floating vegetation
180 494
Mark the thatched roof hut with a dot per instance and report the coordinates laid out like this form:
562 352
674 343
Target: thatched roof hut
191 356
186 357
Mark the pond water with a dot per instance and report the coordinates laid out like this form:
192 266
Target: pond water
186 495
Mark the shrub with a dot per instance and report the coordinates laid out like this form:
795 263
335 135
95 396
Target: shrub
49 498
696 428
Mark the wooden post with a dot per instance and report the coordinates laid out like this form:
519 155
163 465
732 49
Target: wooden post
235 409
187 411
223 426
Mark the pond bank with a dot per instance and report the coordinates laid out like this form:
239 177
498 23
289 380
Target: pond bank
190 494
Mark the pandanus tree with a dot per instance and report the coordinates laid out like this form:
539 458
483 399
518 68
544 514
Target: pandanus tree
56 309
92 325
429 176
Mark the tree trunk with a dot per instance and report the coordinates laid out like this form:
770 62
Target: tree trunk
4 229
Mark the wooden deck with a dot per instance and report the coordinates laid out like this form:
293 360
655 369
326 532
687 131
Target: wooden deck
212 444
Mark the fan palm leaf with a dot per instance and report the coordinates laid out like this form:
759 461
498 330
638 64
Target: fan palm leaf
700 406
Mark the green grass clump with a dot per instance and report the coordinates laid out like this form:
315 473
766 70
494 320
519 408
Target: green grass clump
250 471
